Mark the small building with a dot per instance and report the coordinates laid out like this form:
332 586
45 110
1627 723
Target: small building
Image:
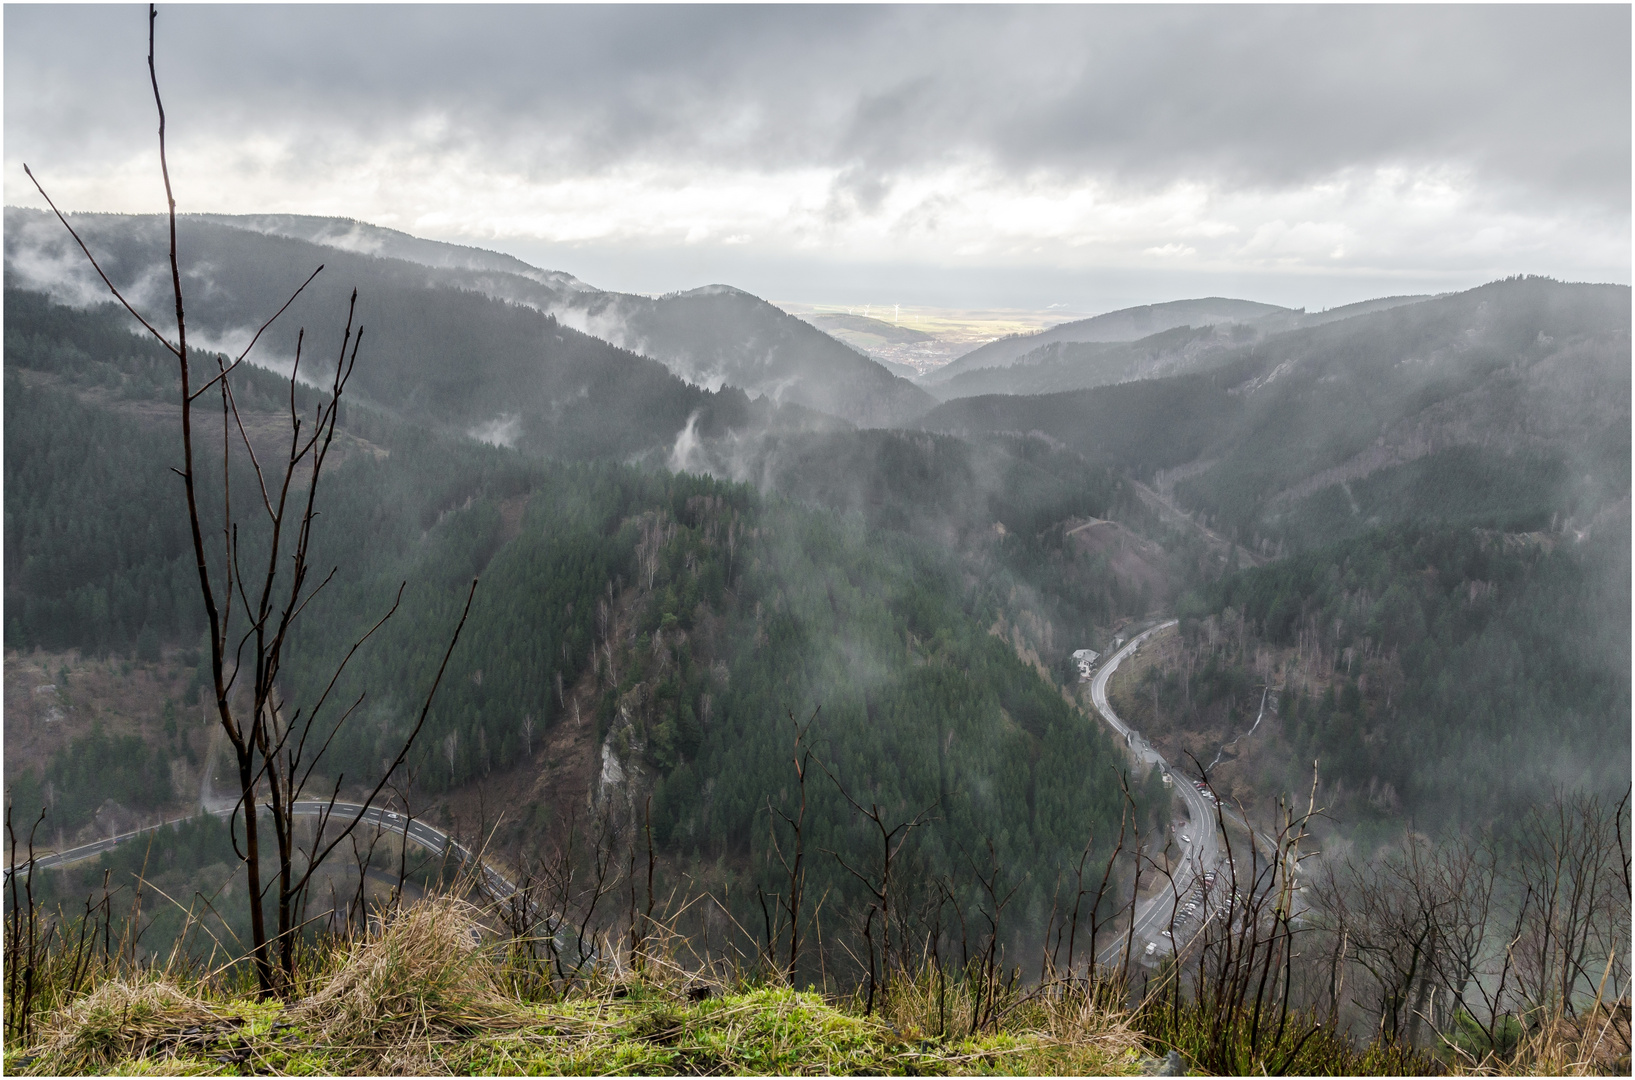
1086 659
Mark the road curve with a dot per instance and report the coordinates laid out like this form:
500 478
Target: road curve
1160 910
427 836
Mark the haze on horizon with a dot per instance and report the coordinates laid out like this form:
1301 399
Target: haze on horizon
1088 158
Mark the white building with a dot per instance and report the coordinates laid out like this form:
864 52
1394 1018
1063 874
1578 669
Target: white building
1086 659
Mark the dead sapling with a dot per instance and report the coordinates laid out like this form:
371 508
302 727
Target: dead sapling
261 602
892 839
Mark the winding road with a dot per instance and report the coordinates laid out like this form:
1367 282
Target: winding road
427 836
1156 914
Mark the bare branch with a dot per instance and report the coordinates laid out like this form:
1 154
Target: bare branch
261 330
117 295
408 742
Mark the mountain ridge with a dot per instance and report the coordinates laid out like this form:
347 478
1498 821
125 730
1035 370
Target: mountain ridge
713 336
1125 324
1520 366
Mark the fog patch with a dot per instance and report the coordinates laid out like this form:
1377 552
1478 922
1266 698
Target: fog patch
41 256
344 234
354 238
688 453
712 379
234 340
503 430
607 323
776 391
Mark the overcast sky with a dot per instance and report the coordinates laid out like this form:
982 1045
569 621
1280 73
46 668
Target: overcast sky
959 156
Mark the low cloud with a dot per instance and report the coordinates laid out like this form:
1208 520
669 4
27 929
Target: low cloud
1467 141
503 430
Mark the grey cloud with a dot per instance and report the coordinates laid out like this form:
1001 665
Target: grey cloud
1536 100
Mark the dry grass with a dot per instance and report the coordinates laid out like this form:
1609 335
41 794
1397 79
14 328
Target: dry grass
423 995
427 994
124 1019
1595 1044
419 982
1058 1028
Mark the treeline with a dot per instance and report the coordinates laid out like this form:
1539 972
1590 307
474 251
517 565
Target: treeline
435 352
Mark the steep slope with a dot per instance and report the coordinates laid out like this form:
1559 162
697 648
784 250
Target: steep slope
1484 402
1127 324
677 621
719 335
712 336
441 354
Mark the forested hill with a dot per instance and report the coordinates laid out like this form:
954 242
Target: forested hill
432 303
453 359
1080 365
1447 676
1126 324
636 632
1493 399
717 334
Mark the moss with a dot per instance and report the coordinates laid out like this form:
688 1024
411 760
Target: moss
422 995
760 1032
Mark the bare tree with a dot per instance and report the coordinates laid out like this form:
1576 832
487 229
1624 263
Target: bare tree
1242 952
789 904
276 756
1572 869
988 973
1462 938
1400 906
892 839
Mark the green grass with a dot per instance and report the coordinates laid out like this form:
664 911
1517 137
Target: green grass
648 1031
427 995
